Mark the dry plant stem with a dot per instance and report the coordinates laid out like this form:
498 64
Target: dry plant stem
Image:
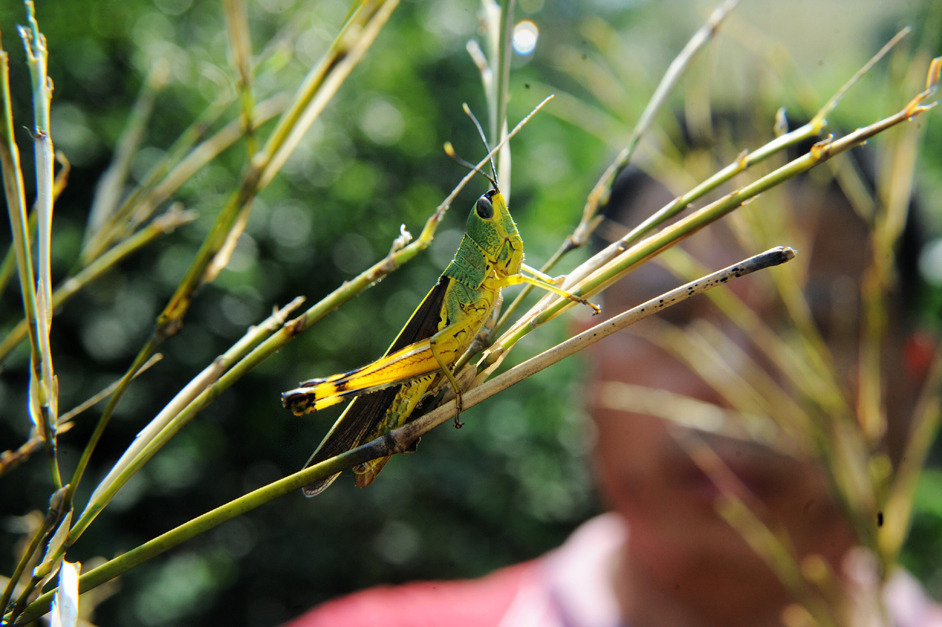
248 354
398 440
49 534
827 426
15 198
743 162
356 36
494 69
240 45
808 368
501 63
54 514
814 372
503 58
602 189
42 397
814 352
801 368
140 205
182 160
186 406
111 185
45 386
820 118
692 413
179 165
8 266
677 68
11 459
171 179
162 225
237 22
927 418
144 447
550 307
749 389
875 283
189 410
408 433
142 358
895 191
166 424
879 277
679 204
35 44
833 436
56 511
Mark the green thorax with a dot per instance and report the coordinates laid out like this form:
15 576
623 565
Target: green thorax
491 243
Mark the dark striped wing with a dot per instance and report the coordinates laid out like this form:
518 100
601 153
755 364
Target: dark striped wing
365 412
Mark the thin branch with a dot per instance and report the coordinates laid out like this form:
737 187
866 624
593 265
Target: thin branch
623 259
600 192
398 440
408 433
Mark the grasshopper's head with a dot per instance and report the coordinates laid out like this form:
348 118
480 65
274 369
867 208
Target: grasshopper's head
493 230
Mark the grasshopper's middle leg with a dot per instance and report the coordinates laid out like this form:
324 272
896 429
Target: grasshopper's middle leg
446 369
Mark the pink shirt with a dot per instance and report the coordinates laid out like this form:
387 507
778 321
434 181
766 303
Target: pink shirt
568 587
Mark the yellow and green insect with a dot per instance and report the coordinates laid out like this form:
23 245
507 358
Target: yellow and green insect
440 330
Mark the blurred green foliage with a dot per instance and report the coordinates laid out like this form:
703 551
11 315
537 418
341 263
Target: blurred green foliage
515 480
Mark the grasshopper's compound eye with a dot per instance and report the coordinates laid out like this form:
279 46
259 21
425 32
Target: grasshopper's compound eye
484 208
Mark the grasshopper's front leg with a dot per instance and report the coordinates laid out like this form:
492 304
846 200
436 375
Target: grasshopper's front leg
536 278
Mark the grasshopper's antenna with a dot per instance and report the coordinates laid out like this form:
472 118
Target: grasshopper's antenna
450 151
477 125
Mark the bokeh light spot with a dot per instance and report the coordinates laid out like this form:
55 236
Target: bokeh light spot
525 35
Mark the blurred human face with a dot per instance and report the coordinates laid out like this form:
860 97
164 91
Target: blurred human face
677 540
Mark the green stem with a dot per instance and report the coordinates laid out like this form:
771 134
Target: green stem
25 558
19 225
46 398
399 255
237 23
184 406
379 447
106 215
201 524
685 227
502 65
96 269
322 83
600 192
56 512
143 357
145 354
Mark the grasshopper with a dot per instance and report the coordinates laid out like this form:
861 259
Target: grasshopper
389 390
